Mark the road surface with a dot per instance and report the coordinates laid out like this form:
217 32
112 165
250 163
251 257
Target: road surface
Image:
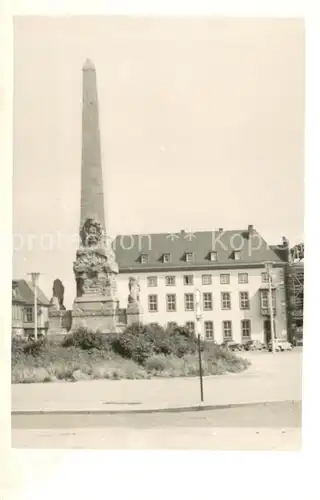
274 426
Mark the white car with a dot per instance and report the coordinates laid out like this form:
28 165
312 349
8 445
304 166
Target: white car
280 345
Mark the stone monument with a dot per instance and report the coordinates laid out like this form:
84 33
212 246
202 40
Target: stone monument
56 309
134 311
95 267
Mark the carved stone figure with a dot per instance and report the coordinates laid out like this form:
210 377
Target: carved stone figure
134 288
54 303
58 293
91 233
95 273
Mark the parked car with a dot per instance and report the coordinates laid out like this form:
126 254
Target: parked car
280 345
232 346
254 345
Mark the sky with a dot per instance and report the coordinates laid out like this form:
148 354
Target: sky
202 127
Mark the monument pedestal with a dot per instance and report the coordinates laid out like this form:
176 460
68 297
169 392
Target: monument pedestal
55 323
95 313
134 314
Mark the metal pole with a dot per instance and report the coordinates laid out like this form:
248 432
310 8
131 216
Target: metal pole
35 278
271 310
35 312
200 368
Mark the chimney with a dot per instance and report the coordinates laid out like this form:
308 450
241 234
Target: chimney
250 229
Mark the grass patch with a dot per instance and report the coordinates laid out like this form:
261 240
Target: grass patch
136 354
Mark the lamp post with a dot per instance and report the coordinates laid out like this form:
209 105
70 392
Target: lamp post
268 268
35 279
198 313
198 333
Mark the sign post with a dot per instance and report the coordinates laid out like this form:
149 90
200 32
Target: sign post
200 368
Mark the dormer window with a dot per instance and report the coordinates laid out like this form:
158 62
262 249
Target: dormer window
213 256
166 257
237 255
189 257
144 258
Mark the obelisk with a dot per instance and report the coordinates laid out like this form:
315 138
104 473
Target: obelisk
95 268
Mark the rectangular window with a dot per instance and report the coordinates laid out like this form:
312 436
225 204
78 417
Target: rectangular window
213 256
170 280
153 303
144 258
29 314
206 279
152 280
244 300
243 278
189 301
227 330
265 299
171 302
190 326
207 301
237 255
225 279
166 257
225 300
189 257
188 279
15 312
246 329
208 330
264 278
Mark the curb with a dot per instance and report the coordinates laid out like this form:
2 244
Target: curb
177 409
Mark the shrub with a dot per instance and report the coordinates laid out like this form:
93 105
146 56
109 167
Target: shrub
35 347
131 346
181 331
160 339
85 339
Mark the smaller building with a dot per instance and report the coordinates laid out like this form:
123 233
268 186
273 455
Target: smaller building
23 309
17 310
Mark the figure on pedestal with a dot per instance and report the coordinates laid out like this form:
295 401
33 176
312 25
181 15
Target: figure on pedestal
134 311
134 289
57 295
57 309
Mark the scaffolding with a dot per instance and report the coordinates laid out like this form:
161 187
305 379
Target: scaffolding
296 297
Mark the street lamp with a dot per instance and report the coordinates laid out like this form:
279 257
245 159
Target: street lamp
198 334
35 279
198 313
268 268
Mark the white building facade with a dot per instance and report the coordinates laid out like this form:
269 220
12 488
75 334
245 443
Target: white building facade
233 284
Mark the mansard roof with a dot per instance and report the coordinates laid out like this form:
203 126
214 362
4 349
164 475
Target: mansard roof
252 247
